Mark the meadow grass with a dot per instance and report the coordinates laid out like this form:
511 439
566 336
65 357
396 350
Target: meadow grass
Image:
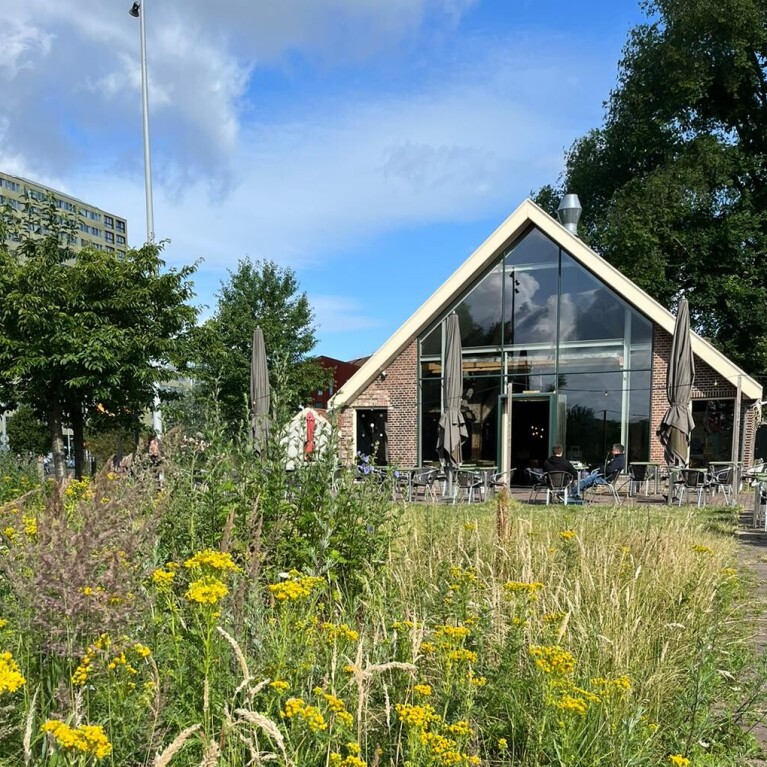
594 636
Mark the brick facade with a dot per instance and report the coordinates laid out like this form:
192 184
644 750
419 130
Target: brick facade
708 385
397 392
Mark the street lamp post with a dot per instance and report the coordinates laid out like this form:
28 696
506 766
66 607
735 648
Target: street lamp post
138 10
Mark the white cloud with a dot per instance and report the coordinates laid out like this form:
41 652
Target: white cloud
463 136
340 314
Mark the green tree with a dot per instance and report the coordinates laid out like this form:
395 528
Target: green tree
674 184
88 334
27 434
261 294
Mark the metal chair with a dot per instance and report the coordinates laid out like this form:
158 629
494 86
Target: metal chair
692 481
612 484
500 479
555 484
640 474
424 479
723 481
469 482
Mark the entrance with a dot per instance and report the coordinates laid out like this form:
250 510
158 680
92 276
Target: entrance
529 436
533 423
371 435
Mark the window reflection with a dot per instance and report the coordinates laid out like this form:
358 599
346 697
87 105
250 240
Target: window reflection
479 313
431 345
589 311
480 411
711 439
562 331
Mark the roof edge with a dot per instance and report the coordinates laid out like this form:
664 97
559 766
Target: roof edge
529 213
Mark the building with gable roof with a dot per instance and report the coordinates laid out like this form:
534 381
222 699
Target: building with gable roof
558 347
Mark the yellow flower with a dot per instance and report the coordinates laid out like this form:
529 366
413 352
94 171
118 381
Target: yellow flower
575 705
341 631
427 648
10 674
462 655
293 707
453 632
702 550
416 716
297 708
87 590
206 591
460 729
678 760
607 686
295 587
279 685
520 587
567 535
3 623
162 578
142 650
214 560
552 659
87 738
422 689
30 525
503 744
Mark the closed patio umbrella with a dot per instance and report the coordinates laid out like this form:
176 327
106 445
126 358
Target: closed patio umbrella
677 424
260 397
452 426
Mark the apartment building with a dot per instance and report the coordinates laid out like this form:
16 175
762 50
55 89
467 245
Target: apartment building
95 227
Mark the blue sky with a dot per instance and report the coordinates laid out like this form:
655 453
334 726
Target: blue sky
370 145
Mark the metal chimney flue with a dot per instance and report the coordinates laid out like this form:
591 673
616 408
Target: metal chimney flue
569 212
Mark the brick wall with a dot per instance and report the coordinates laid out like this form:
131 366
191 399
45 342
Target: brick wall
396 392
708 385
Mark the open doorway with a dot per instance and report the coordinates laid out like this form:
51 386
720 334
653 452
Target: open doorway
530 435
371 435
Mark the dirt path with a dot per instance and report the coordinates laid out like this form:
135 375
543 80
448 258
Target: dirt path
753 556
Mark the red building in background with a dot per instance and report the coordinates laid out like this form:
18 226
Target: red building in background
342 372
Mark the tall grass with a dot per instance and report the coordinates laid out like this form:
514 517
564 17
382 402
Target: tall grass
372 634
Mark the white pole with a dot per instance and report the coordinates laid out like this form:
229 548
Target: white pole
145 103
156 415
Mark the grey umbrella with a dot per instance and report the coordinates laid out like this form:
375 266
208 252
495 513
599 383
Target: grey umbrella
677 423
260 398
452 426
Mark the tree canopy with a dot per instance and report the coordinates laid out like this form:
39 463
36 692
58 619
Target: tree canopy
674 183
86 334
259 293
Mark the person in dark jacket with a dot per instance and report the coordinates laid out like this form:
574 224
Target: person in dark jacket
602 476
557 462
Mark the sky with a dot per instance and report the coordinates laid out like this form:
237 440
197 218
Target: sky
369 145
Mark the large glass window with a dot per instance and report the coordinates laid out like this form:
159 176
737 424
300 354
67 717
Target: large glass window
711 439
431 399
480 313
530 290
589 310
540 322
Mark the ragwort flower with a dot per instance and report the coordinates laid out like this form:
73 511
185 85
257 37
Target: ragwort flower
11 677
206 590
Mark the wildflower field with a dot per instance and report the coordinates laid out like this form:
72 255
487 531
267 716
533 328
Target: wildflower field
239 616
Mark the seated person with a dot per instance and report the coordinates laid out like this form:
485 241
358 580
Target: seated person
600 476
557 462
